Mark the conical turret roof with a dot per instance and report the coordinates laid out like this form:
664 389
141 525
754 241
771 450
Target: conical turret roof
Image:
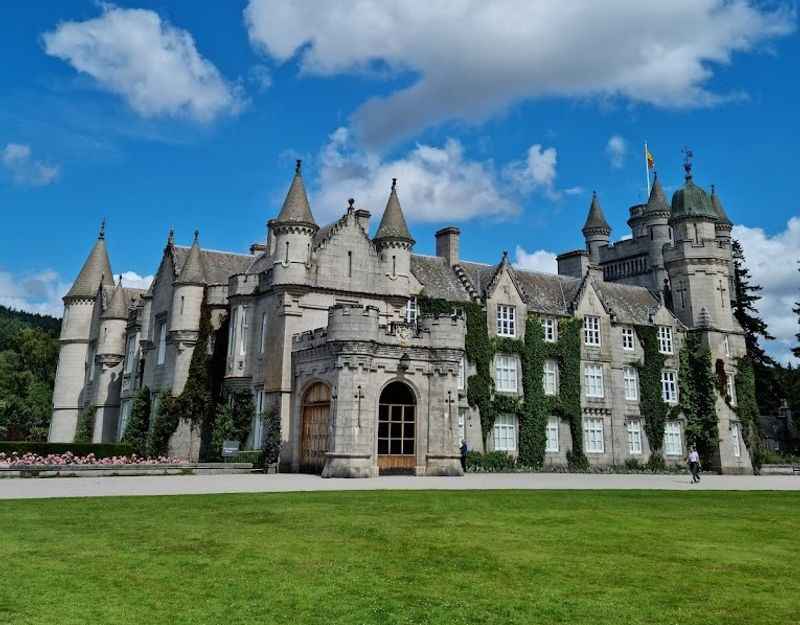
118 306
96 270
596 220
657 202
692 201
393 223
716 204
194 269
295 207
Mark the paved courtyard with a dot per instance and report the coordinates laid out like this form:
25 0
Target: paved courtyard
31 488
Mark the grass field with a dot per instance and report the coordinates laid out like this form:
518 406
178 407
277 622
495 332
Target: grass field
404 557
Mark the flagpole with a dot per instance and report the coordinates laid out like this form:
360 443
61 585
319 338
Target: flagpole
646 170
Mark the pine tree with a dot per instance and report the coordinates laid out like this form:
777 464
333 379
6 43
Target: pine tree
768 392
195 402
796 311
138 424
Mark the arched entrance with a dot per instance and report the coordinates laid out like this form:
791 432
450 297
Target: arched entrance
314 433
397 429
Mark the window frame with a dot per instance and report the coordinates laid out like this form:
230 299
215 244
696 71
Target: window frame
672 435
589 381
411 314
244 326
552 434
634 432
505 430
628 344
736 440
161 353
665 340
550 371
130 352
590 442
506 317
591 332
669 386
462 373
550 325
508 359
628 380
263 338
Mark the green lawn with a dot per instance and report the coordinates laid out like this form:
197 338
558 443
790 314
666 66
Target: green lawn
404 557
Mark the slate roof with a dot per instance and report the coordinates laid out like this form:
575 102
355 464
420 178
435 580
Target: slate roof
692 201
657 202
118 306
595 219
438 278
260 263
219 266
716 203
548 293
97 267
393 223
295 207
193 270
630 304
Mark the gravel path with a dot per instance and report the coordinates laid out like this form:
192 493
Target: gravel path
32 488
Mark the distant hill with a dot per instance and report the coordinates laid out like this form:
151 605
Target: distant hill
28 361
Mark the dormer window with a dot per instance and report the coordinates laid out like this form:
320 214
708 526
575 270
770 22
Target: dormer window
506 320
550 330
412 311
591 331
665 339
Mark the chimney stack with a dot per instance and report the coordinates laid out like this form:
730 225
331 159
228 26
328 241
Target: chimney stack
362 217
447 242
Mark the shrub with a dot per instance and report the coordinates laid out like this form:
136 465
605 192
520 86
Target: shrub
492 462
633 464
271 444
99 450
84 431
135 433
233 421
164 425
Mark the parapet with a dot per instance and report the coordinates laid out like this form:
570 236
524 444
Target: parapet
353 322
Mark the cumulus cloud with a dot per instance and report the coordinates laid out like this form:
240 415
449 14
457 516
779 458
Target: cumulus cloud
537 172
772 261
24 169
616 149
155 66
133 280
470 59
435 183
38 292
540 260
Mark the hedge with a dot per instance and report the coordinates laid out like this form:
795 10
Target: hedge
100 450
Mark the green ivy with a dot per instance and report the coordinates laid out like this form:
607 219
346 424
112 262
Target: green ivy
747 409
135 433
698 397
653 408
163 425
84 430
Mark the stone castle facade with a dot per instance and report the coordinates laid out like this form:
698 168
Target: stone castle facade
324 328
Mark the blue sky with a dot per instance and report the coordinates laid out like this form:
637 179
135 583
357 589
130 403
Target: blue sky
500 119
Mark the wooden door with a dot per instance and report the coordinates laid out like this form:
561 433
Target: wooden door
314 439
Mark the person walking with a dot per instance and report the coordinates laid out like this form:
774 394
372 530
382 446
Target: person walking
463 450
694 464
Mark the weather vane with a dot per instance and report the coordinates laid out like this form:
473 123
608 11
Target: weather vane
687 160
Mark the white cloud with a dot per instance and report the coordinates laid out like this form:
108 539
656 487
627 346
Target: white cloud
261 77
152 64
616 150
38 292
25 170
540 260
471 58
434 183
772 261
133 280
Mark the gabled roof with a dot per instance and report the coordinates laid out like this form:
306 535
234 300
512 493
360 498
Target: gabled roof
193 270
295 207
96 270
548 293
438 279
628 303
393 223
595 220
657 202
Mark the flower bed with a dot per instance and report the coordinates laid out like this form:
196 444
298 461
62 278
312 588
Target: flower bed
16 460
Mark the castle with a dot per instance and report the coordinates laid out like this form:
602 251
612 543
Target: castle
324 327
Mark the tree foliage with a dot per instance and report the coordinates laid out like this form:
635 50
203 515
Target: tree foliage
138 424
233 420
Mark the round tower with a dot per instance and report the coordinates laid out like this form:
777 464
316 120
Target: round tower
291 235
394 242
79 303
188 289
596 230
656 231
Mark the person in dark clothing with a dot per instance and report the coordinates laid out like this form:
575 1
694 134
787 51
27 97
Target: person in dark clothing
694 465
463 455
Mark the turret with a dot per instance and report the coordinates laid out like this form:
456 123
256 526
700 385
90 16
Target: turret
79 305
291 234
596 231
113 321
692 216
187 294
723 225
657 232
394 242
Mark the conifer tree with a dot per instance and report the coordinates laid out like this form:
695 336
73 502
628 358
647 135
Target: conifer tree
138 424
195 402
796 311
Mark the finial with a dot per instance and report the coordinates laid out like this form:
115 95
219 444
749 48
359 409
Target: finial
350 203
505 255
594 195
394 184
687 161
298 164
102 233
171 236
119 282
713 189
196 235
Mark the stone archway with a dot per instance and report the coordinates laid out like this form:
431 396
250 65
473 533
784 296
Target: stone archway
315 426
397 429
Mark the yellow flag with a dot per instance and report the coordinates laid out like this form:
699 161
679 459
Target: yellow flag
651 162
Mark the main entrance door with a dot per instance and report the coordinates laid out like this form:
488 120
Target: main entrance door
314 441
397 421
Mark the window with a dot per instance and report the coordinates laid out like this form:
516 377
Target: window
593 435
627 339
672 439
630 378
726 345
550 377
593 379
243 330
182 303
665 339
729 380
505 373
505 432
130 353
263 337
634 438
591 330
124 416
550 330
258 420
412 312
669 386
736 442
551 432
462 373
91 363
506 320
162 343
232 331
462 424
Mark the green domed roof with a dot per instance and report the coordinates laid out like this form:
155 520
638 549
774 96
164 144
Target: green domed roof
692 201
